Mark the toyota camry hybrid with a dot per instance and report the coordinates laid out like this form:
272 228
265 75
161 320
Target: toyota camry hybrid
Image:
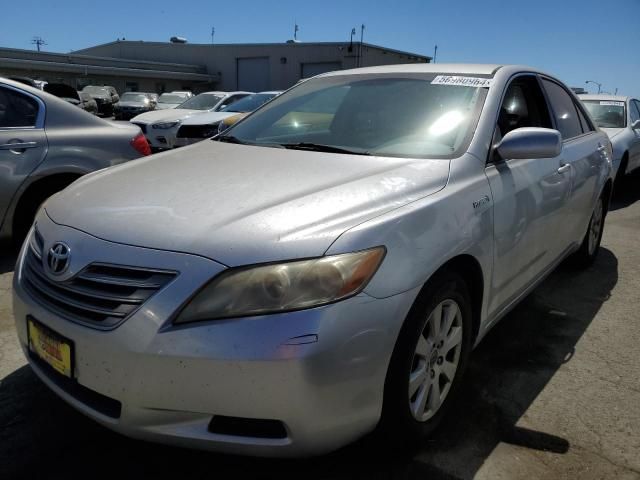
322 269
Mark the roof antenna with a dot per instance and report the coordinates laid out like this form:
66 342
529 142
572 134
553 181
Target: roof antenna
295 32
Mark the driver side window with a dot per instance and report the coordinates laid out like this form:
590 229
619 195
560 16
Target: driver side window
523 105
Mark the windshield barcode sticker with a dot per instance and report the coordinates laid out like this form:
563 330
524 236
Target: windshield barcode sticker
462 81
612 104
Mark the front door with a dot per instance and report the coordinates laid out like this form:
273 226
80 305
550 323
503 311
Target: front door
529 198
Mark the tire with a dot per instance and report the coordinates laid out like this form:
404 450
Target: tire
421 354
590 246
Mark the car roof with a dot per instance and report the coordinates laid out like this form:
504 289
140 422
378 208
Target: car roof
460 68
604 96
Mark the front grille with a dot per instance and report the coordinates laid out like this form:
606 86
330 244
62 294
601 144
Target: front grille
197 131
101 295
142 126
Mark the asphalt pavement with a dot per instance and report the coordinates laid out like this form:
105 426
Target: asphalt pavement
552 392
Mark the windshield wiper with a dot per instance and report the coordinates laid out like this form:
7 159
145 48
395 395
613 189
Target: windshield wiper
318 147
231 139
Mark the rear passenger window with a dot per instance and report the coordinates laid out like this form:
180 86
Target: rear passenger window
16 109
564 110
586 125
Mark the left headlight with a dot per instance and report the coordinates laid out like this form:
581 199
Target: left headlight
283 287
164 125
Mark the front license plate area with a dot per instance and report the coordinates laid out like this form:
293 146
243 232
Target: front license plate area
50 347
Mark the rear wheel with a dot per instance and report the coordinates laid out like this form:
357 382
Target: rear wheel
590 247
428 361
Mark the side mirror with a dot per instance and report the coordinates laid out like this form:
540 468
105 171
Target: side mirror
636 125
530 142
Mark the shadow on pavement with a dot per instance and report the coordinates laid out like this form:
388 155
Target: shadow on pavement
39 433
627 192
8 258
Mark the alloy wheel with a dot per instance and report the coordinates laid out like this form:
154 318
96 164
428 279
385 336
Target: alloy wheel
435 360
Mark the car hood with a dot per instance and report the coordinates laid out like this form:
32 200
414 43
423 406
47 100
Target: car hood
239 204
166 106
207 118
133 104
612 132
164 115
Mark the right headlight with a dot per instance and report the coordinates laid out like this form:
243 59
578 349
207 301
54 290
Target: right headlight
282 287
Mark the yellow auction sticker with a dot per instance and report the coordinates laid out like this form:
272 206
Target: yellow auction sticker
50 347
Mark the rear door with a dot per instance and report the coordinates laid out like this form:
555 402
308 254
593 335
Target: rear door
23 144
583 149
529 198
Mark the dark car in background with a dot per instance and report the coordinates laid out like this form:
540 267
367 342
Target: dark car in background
45 145
132 104
105 96
87 103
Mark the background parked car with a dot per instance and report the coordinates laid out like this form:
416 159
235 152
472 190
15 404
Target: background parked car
105 96
172 100
132 104
46 144
161 126
87 103
198 127
619 117
244 107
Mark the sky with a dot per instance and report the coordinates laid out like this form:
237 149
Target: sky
572 40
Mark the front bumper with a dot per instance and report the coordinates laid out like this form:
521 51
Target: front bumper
320 372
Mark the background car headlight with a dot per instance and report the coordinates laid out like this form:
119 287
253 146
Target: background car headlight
283 287
164 125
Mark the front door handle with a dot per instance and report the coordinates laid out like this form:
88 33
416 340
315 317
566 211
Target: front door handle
18 145
564 168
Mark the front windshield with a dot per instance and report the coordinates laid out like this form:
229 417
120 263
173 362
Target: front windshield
204 101
402 115
607 113
171 98
134 97
96 90
250 103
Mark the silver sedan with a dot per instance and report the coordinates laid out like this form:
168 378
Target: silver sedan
46 144
321 270
618 117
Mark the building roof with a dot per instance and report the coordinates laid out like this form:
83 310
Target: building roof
12 58
236 45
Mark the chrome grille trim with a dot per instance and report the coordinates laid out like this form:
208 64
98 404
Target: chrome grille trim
100 296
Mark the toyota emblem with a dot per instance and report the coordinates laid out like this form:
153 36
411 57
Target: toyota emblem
58 258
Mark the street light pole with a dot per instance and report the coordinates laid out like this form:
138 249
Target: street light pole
595 83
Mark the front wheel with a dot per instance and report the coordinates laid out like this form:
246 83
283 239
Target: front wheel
428 361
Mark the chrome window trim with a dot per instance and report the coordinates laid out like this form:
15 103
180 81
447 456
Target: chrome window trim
41 109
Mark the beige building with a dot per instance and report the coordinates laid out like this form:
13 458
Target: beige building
159 67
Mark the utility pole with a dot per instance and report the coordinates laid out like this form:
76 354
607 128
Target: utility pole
360 49
38 42
353 32
213 32
595 83
435 53
295 32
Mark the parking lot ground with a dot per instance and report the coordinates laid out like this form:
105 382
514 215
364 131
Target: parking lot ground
552 392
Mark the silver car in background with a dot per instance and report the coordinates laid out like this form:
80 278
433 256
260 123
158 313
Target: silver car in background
619 117
322 269
46 144
172 100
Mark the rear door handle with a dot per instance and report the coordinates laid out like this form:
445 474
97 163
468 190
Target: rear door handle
564 168
18 145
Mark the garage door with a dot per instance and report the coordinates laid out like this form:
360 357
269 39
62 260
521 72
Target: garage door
312 69
253 74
